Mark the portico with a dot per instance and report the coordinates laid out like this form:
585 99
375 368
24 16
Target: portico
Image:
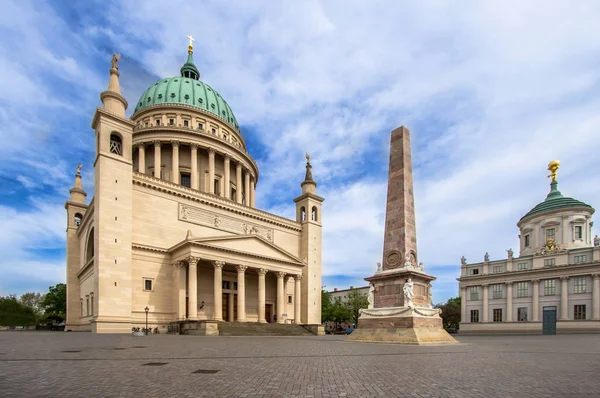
214 280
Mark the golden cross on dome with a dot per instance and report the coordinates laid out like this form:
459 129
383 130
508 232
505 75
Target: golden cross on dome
191 45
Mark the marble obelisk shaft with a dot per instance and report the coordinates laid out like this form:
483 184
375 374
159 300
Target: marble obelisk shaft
400 237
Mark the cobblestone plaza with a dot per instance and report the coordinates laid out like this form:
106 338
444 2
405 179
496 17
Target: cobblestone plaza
58 364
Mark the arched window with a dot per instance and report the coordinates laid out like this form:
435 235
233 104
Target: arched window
314 213
302 214
77 219
116 144
89 253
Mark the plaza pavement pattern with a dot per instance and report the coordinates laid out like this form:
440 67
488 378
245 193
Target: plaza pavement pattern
59 364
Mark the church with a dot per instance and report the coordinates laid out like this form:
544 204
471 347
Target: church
173 235
552 286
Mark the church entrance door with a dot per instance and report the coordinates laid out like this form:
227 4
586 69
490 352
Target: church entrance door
230 303
268 312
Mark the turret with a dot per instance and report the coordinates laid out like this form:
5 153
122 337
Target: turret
112 100
308 214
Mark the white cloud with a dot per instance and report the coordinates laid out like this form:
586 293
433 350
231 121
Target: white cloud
491 91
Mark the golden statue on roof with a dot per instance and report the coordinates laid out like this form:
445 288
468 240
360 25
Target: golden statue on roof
553 167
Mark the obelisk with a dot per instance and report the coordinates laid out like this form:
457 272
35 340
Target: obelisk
400 292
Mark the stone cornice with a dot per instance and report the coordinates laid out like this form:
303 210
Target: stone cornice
117 118
155 249
86 267
309 195
254 255
147 181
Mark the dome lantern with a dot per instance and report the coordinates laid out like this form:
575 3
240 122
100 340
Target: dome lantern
189 69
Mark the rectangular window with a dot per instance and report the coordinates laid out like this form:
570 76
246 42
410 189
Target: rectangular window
92 305
579 284
214 131
549 287
581 259
549 262
186 180
578 232
474 293
234 285
522 314
81 306
147 284
289 299
225 284
496 269
217 186
474 315
200 126
186 123
497 314
522 289
171 122
522 266
232 196
579 312
526 240
497 291
550 233
475 271
158 122
87 306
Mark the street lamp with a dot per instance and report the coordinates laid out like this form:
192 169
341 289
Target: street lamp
146 309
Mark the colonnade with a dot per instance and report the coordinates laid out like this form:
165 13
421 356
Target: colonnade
179 281
241 172
535 316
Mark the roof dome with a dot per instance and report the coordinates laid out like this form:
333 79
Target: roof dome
555 200
187 90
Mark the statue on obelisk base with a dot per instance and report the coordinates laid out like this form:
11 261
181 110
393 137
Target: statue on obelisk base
400 308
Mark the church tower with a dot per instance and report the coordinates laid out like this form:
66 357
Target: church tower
308 213
113 209
76 209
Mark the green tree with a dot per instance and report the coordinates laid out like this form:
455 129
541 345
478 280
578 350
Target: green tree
14 313
55 301
337 312
33 301
356 301
450 312
325 304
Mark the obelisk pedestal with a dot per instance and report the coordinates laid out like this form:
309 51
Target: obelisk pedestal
400 297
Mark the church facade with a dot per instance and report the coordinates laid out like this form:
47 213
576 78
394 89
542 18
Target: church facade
553 286
173 232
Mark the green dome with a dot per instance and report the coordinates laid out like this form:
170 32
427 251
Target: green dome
187 90
554 201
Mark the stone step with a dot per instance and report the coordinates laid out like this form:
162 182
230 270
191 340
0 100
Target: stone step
261 329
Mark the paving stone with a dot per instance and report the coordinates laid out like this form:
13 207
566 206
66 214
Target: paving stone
34 365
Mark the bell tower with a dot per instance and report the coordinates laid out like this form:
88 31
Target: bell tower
308 214
113 209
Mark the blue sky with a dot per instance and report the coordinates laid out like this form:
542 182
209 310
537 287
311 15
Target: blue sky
491 91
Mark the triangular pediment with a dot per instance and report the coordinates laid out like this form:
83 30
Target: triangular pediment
253 245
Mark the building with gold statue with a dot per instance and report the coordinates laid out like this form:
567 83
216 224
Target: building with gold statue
173 231
553 286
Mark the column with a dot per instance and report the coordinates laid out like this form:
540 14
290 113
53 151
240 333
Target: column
226 176
194 161
238 182
485 303
175 163
192 288
230 312
247 187
280 297
535 311
252 192
211 172
142 158
157 161
241 269
218 290
463 304
596 297
564 298
297 299
181 290
509 305
261 294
